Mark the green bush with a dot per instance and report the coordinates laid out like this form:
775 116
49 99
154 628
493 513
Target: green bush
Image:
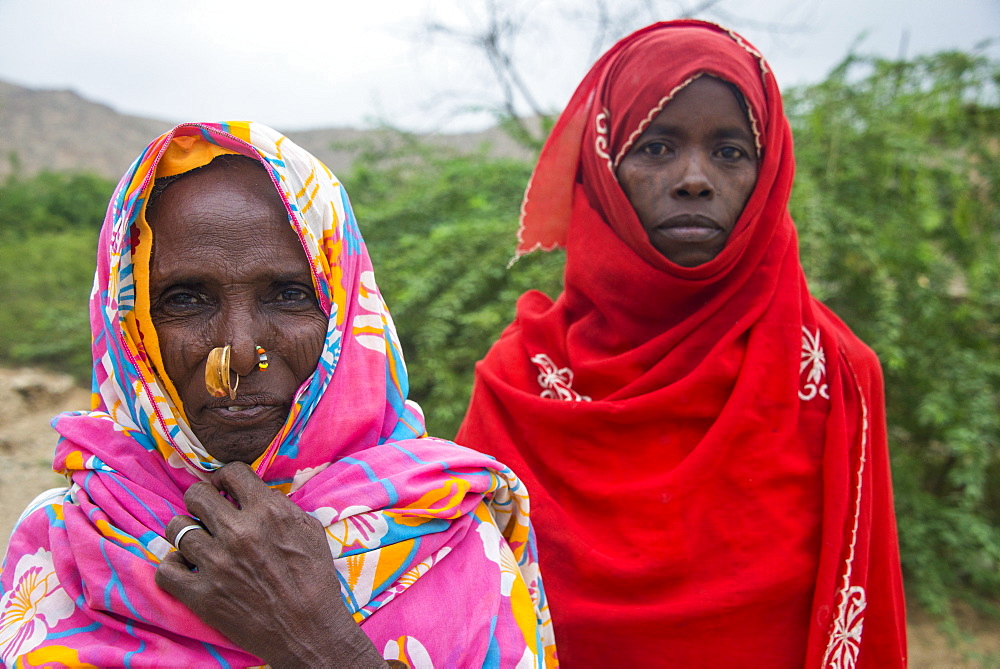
45 281
53 202
440 230
49 225
897 209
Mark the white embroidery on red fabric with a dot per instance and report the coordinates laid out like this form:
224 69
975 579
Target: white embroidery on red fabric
653 113
602 144
845 640
557 382
814 366
845 634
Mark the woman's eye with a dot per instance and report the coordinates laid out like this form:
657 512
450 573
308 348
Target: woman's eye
294 295
731 153
184 298
655 149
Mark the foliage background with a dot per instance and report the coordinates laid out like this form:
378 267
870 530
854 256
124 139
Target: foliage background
899 220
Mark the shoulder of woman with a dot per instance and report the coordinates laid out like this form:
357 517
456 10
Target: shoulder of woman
31 532
43 504
532 303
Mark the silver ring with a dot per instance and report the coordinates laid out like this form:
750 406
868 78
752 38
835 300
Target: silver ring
185 530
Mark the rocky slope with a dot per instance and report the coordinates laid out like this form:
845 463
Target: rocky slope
59 130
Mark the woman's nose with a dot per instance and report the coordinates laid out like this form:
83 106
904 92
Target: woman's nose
242 333
243 357
693 182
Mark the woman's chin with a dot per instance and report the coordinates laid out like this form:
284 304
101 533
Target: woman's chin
236 445
688 252
688 257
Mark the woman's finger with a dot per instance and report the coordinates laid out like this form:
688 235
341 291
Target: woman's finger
189 531
241 483
225 519
184 530
204 502
174 575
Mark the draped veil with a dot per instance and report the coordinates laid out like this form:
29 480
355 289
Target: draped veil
412 521
705 447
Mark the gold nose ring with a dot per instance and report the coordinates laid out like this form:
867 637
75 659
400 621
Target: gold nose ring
217 373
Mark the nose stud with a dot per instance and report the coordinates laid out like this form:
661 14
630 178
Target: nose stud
217 374
261 357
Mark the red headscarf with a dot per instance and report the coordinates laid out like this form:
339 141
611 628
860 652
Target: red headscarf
705 447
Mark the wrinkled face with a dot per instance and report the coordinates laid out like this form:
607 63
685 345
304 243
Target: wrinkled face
227 268
691 172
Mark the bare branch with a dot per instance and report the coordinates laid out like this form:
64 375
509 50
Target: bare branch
497 24
700 8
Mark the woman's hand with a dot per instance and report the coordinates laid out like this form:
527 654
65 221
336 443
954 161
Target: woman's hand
265 576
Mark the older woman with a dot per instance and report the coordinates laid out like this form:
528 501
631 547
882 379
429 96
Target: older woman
704 442
236 320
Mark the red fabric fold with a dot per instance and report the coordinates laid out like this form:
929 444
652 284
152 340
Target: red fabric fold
705 447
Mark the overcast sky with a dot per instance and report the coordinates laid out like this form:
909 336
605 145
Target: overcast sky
322 63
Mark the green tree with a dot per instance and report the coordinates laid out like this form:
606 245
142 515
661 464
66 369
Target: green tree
440 230
896 203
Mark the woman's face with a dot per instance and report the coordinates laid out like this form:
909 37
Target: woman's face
691 172
227 268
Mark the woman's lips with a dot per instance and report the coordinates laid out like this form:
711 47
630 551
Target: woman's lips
245 410
689 228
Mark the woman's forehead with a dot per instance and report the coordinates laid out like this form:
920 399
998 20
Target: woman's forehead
653 68
702 93
222 212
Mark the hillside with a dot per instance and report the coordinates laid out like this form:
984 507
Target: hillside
60 130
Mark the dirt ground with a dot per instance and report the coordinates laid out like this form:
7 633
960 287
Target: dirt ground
28 401
30 398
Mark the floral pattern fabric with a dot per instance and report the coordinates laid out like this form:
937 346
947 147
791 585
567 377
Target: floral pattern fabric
412 521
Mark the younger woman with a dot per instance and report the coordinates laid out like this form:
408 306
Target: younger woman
704 442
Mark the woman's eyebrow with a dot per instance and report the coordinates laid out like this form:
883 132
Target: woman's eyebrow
291 277
670 130
195 279
189 280
734 132
662 129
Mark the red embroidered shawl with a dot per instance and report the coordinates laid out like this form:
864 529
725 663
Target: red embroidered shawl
705 447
